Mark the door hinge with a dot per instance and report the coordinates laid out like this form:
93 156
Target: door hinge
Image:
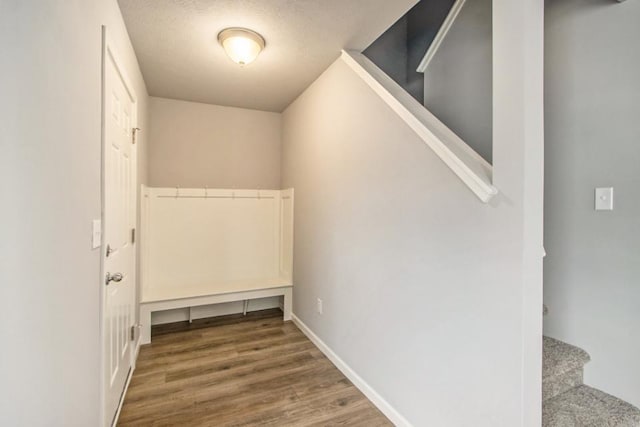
134 134
133 235
135 330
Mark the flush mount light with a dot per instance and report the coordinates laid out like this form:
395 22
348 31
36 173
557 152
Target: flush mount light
243 46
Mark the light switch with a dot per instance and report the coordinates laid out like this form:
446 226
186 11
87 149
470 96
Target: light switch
604 199
96 236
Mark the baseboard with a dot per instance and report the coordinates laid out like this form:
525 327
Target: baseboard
136 352
389 411
124 393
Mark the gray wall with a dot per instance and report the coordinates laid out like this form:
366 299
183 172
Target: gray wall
389 51
422 284
400 49
425 20
198 145
592 268
458 81
50 284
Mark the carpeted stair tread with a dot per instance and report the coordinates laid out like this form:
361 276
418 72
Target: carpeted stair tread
559 357
584 406
558 384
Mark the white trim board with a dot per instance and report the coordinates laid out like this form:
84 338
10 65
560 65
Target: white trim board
134 360
116 417
441 35
468 165
389 411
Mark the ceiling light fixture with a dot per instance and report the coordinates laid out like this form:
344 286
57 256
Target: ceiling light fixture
243 46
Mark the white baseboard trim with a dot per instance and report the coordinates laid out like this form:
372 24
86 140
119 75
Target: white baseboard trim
394 416
136 352
124 393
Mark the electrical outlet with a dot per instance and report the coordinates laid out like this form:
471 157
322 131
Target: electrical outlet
319 306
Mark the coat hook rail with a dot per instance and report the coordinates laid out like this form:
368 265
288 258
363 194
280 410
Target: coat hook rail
179 194
217 197
206 195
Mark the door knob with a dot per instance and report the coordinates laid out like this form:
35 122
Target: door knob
113 278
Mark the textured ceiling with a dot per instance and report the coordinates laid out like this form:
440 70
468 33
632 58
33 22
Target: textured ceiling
176 45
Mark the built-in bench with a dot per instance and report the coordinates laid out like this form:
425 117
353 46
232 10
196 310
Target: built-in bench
207 295
198 247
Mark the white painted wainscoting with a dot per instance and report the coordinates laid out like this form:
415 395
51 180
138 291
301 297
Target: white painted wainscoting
213 246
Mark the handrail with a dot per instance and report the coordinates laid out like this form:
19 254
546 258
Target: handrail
440 36
468 165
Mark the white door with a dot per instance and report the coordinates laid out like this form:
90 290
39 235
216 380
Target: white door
119 213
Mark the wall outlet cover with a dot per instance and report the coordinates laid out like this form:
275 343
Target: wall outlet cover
604 199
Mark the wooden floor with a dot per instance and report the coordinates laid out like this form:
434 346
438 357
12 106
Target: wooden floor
241 371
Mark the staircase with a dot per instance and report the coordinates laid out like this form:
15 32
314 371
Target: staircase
567 402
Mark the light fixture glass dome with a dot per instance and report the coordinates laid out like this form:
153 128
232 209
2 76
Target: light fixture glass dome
243 46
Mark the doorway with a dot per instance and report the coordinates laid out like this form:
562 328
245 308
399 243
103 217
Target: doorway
119 182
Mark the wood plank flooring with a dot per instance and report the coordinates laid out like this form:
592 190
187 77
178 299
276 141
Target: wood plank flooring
241 371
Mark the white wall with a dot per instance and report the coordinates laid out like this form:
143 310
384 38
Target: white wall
196 145
592 268
428 294
50 121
